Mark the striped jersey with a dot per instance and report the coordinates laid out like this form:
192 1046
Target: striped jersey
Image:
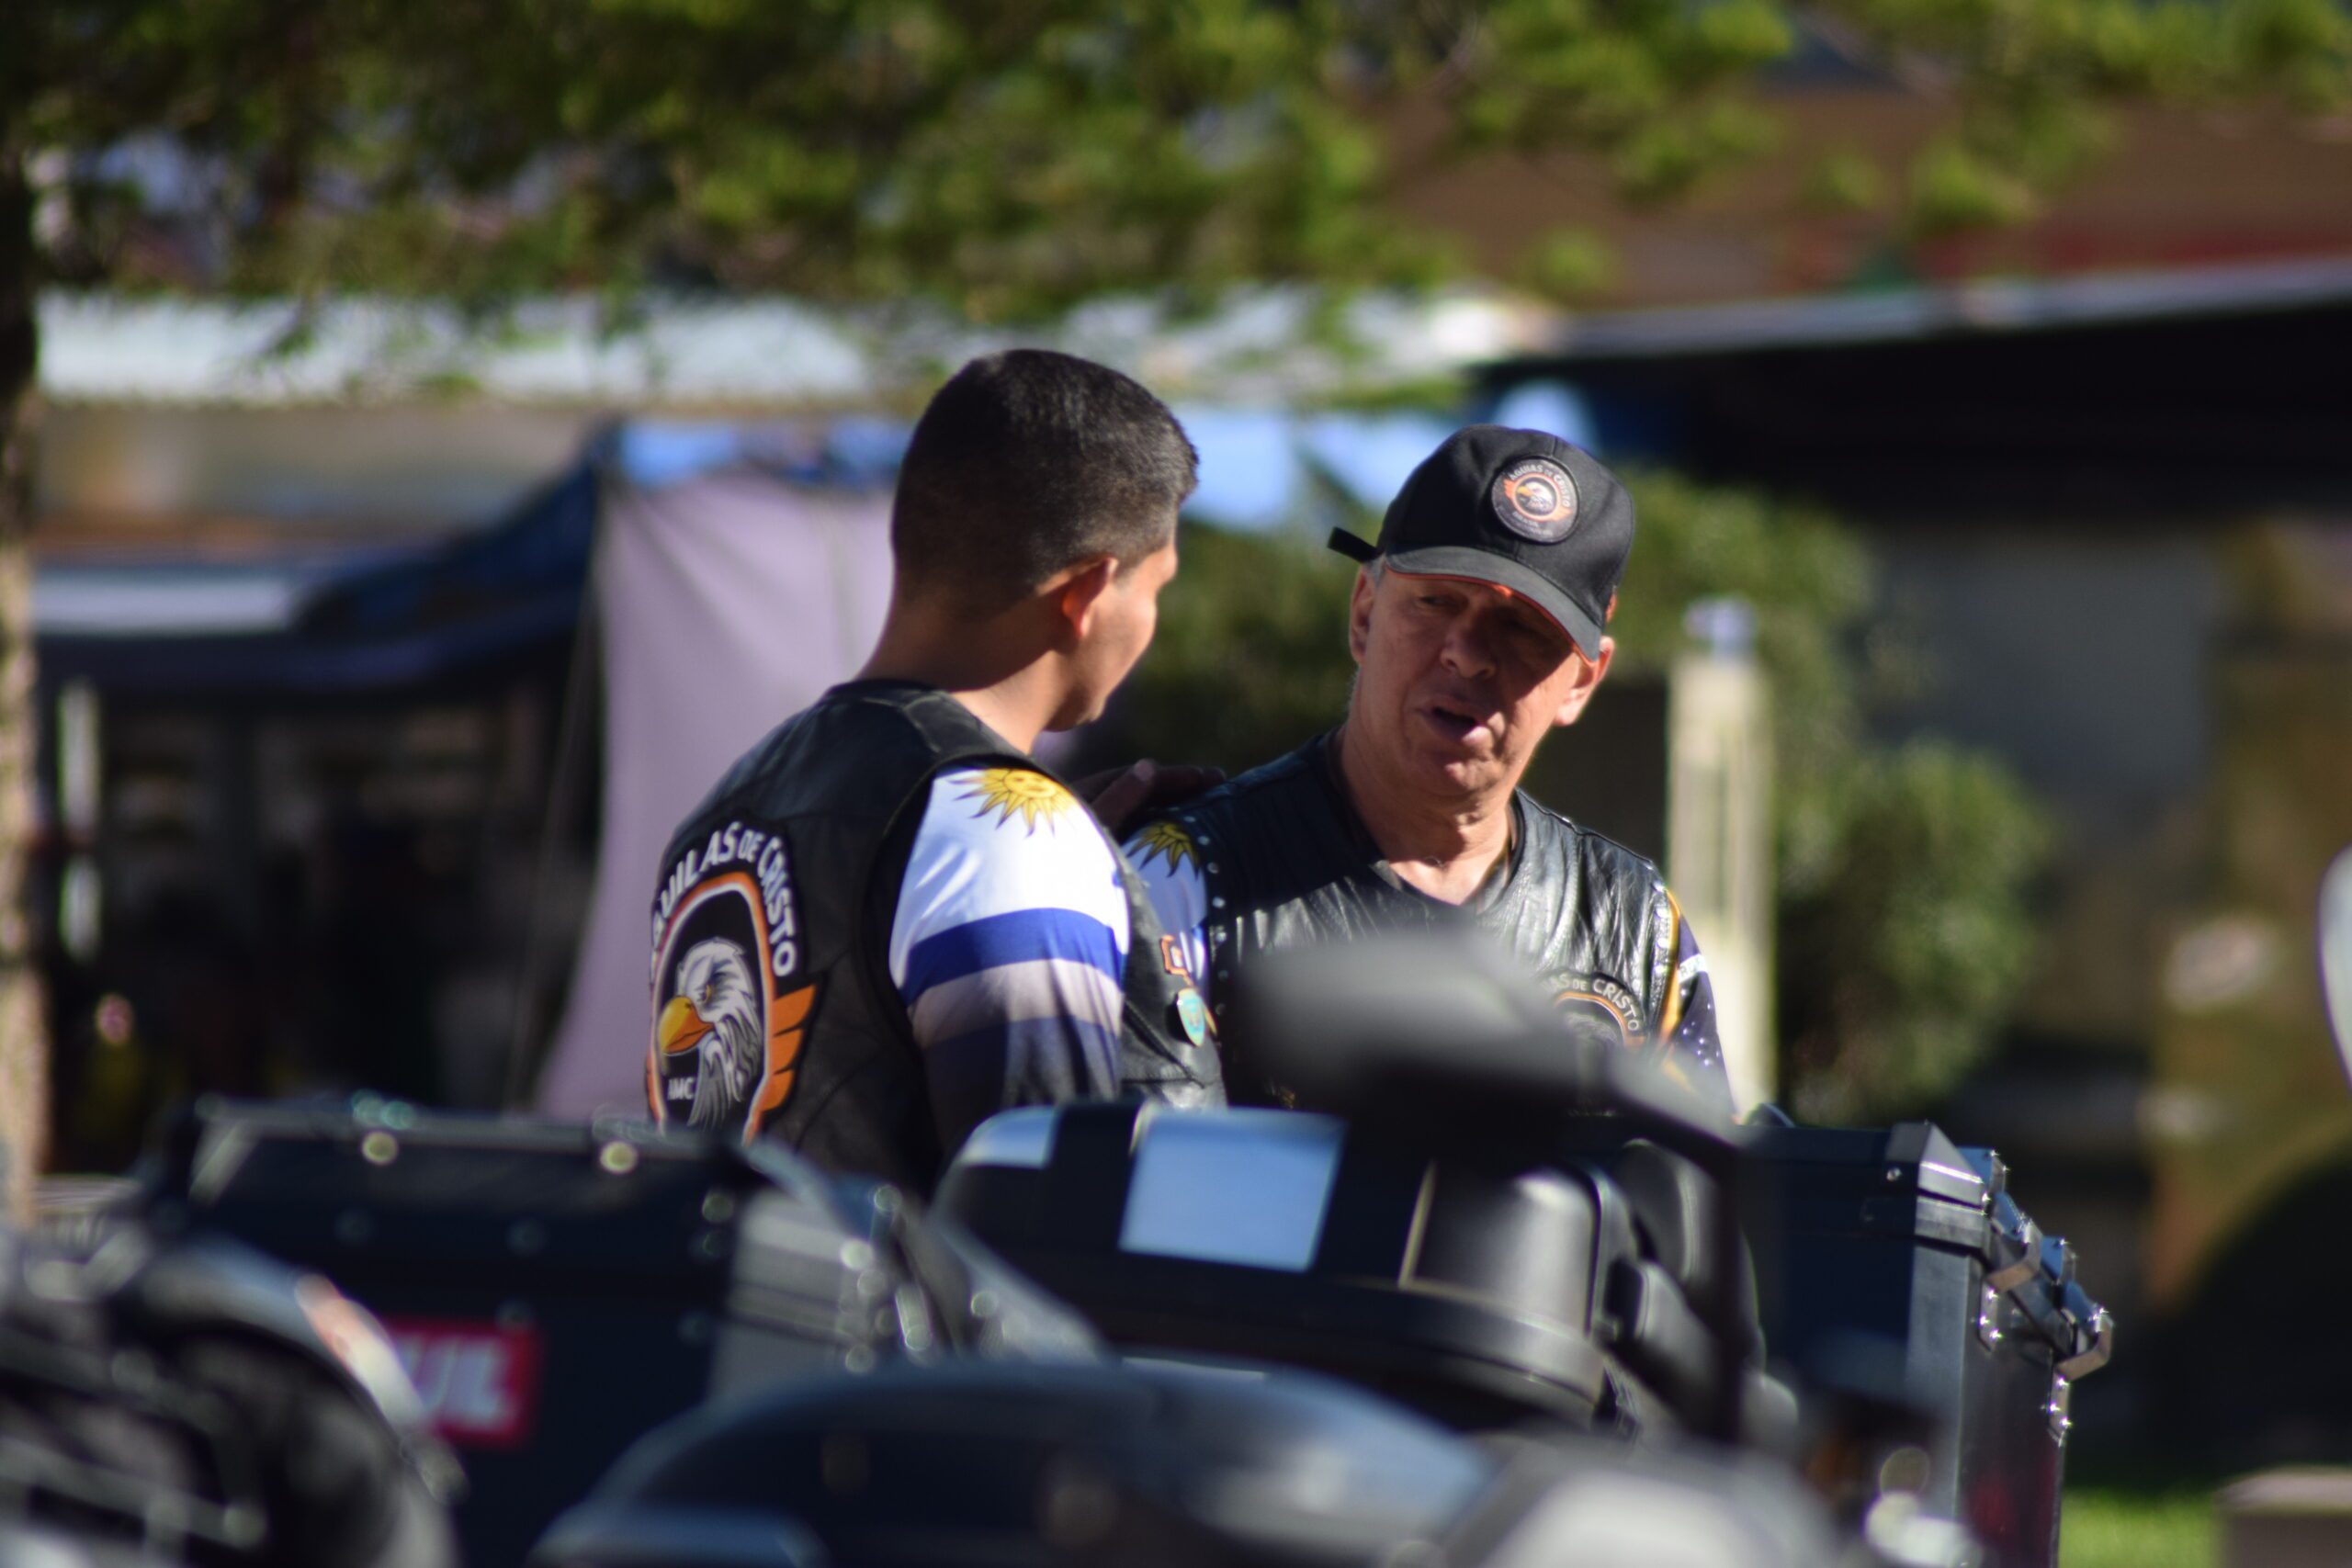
1009 945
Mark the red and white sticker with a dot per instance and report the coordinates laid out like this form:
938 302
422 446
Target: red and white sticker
479 1381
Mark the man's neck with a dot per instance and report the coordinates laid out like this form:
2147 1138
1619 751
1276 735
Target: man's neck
1444 847
1015 698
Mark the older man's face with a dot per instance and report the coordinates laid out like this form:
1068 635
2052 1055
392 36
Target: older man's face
1458 680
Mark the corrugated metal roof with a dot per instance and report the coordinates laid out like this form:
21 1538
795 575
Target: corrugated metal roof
1261 349
769 354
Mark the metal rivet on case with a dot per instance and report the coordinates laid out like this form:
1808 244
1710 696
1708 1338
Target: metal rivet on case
244 1524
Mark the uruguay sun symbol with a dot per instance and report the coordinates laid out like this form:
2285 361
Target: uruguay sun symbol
1018 792
1166 840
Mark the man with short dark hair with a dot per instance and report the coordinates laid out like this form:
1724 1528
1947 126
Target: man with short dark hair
888 920
1476 628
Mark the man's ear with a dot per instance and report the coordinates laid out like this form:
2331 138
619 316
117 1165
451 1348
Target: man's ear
1588 678
1360 615
1076 593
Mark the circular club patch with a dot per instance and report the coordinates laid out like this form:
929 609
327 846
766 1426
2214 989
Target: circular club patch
1597 1004
1536 499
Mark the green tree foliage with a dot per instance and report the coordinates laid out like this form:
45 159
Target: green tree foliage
1003 158
1903 872
1900 961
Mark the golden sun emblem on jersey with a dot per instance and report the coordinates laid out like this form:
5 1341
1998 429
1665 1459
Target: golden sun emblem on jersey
1019 792
1166 841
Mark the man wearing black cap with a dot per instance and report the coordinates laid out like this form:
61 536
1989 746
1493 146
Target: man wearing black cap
1476 627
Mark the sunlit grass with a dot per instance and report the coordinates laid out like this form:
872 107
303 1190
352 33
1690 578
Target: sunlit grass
2104 1527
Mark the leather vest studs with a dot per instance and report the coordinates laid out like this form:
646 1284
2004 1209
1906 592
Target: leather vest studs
1287 861
774 1010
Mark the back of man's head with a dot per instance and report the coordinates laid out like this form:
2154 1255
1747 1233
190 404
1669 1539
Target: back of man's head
1028 462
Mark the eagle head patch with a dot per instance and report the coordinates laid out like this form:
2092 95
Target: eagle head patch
728 1026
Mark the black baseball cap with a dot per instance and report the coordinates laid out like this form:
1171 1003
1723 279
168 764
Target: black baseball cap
1518 510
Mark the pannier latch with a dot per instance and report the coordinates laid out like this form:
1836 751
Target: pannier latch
2102 1345
1988 1316
2021 1245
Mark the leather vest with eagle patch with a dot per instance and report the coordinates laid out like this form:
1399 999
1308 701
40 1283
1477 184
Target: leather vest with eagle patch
774 1007
1287 861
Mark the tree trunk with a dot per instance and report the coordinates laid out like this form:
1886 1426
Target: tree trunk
23 1042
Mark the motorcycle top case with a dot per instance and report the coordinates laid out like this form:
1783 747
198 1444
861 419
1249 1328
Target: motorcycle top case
1275 1235
1896 1254
1158 1464
1152 1465
557 1289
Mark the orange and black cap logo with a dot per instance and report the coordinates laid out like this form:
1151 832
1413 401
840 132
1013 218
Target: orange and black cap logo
1536 499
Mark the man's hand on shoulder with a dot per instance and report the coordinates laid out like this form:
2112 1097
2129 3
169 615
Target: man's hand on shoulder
1119 795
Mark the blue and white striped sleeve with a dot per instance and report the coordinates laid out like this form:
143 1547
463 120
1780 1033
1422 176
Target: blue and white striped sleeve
1009 947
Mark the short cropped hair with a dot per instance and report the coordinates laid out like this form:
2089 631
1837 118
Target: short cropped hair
1028 462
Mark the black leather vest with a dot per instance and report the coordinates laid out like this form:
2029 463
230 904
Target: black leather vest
1287 860
776 907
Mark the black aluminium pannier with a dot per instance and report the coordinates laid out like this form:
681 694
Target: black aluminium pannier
1486 1299
1275 1235
557 1289
1897 1248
